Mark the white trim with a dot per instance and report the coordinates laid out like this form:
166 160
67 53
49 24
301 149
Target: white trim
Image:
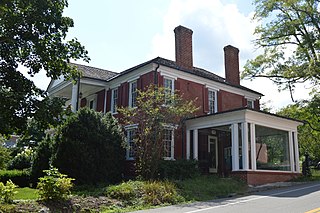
212 88
195 144
171 128
112 109
253 147
215 100
245 159
168 76
216 144
296 151
93 98
235 146
74 96
131 91
188 144
127 129
105 101
291 155
250 101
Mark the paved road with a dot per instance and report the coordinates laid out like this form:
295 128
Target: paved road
299 198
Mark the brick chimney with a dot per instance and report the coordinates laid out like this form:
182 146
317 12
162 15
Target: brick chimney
183 37
231 63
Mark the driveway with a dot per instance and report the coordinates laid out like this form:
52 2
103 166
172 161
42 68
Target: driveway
298 198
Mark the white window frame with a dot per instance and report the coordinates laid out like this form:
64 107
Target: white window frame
250 101
170 128
128 130
92 98
215 104
132 103
167 88
114 103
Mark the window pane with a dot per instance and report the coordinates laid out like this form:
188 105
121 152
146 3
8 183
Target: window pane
168 85
211 101
133 94
167 143
272 149
114 100
130 141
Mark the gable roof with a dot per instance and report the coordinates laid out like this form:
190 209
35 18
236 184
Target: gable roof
94 73
195 71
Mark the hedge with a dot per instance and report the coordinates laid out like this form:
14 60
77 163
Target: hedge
18 177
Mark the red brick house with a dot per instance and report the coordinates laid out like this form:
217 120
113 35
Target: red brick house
228 136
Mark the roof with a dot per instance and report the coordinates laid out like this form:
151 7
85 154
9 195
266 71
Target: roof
250 109
195 71
95 73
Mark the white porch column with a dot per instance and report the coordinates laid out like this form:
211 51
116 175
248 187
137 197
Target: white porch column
291 154
296 150
245 157
74 97
253 146
195 144
188 145
235 147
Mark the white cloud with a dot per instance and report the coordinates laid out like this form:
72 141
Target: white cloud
214 26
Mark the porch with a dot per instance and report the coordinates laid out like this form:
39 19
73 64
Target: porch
258 147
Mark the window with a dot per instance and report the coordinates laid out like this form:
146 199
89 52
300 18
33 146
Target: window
272 149
114 100
132 94
91 104
169 88
130 133
168 143
92 101
212 101
250 103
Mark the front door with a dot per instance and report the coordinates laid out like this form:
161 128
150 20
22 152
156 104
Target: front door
213 153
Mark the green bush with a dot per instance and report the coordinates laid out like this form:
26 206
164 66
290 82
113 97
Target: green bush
4 156
127 191
89 148
22 160
156 193
54 186
7 191
146 193
42 157
178 169
18 177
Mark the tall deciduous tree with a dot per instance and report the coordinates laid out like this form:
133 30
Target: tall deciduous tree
32 35
290 37
157 111
309 134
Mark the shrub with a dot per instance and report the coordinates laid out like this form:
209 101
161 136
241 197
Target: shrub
157 192
22 160
18 177
178 169
4 156
7 191
95 141
42 157
128 191
54 186
147 193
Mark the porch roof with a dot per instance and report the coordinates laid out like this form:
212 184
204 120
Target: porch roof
241 115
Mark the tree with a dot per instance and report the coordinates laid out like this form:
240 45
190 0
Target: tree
89 147
289 34
308 134
32 35
156 112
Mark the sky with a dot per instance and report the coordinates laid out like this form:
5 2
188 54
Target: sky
120 34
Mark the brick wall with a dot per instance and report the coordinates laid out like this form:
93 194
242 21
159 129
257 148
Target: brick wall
183 38
229 101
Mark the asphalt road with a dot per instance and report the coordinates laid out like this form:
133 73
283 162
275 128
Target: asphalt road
299 198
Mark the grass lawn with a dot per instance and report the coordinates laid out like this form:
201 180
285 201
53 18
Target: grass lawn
25 194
